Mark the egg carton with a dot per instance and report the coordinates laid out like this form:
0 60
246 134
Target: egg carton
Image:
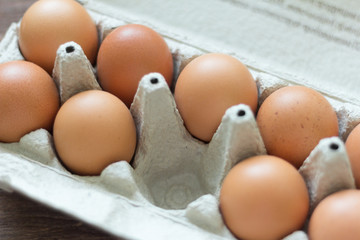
171 188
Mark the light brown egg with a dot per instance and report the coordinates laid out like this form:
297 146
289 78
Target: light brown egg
337 217
293 120
353 150
92 130
28 100
49 23
264 197
127 54
207 87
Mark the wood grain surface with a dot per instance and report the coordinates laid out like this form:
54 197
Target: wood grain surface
22 218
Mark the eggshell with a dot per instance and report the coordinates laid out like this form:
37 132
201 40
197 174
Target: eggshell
49 23
336 217
353 149
208 86
264 197
292 121
92 130
28 100
127 54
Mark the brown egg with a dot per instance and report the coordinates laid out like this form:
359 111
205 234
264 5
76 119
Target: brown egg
353 150
337 217
28 100
92 130
127 54
207 87
49 23
264 197
293 120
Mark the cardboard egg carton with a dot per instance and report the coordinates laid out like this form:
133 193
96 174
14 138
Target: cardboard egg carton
171 188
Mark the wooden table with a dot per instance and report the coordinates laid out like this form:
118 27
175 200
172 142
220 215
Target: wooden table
22 218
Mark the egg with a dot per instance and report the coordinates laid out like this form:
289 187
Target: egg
92 130
352 145
264 197
207 87
127 54
28 100
292 121
49 23
336 217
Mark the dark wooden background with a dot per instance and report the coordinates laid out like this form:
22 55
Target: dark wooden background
22 218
